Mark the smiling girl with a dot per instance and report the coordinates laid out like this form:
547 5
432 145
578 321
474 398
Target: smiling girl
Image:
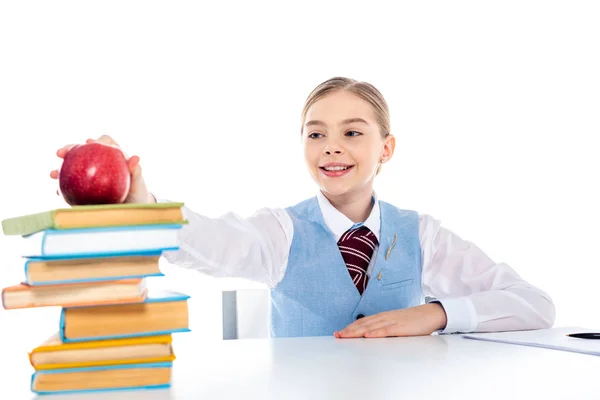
344 262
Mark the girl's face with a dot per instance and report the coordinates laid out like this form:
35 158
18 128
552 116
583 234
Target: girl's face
343 144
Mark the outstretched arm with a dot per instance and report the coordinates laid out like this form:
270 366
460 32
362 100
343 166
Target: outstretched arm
254 248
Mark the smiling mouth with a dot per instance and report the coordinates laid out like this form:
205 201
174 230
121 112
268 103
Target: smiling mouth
336 168
335 171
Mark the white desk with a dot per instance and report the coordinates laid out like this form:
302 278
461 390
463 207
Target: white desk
433 367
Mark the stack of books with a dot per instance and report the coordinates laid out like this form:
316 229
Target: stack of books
93 261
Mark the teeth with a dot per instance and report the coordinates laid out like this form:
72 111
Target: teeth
337 168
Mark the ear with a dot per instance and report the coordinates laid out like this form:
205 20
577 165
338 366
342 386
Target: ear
388 148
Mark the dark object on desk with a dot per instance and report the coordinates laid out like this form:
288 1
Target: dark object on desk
585 335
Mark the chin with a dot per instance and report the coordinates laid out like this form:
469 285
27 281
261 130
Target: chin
337 186
335 190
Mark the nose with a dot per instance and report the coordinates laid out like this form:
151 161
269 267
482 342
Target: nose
329 152
332 148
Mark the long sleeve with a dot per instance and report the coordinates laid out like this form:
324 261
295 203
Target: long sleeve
254 248
478 294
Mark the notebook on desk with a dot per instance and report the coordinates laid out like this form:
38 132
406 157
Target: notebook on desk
554 338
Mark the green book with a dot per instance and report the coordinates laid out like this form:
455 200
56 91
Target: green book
93 216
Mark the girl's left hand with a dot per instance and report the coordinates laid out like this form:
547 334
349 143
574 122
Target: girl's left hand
414 321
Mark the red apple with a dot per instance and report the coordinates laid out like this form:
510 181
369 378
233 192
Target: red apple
94 173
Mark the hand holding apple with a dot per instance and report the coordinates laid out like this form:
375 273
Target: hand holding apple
94 173
98 172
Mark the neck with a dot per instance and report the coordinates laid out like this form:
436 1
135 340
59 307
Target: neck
356 205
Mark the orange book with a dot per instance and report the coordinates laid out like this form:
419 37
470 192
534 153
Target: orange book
122 291
162 312
91 269
102 378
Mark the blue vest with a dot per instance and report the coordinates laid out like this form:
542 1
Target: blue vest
317 297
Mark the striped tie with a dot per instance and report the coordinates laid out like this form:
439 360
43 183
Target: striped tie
357 246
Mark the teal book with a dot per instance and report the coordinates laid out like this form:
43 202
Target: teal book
102 378
104 241
162 312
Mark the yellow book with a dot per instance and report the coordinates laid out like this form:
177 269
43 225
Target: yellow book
55 354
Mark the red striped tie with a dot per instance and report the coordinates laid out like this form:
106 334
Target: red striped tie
357 246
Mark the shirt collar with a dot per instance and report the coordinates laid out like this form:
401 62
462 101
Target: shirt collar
338 223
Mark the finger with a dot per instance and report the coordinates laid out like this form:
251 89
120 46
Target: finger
346 333
64 150
54 174
353 331
356 332
384 331
107 139
358 328
104 139
350 328
134 166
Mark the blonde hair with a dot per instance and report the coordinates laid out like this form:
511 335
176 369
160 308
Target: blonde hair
364 90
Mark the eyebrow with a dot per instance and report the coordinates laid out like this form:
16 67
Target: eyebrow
344 122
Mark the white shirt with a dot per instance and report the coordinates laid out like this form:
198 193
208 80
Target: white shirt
477 294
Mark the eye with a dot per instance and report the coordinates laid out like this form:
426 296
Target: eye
353 133
315 135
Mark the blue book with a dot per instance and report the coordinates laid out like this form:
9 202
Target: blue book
57 243
102 378
92 268
162 312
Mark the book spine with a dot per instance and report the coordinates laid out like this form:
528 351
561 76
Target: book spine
164 364
114 253
3 300
26 272
122 336
42 251
164 386
117 228
47 367
61 326
91 280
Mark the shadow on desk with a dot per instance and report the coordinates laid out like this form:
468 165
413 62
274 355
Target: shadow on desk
155 394
367 353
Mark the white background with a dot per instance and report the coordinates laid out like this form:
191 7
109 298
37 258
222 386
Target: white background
494 106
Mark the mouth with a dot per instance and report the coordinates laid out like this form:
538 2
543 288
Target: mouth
335 169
